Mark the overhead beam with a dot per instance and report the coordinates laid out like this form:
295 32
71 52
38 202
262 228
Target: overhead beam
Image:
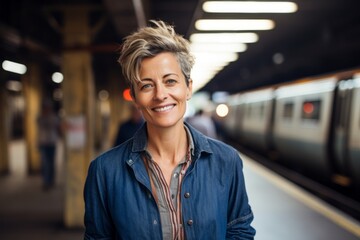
139 13
13 38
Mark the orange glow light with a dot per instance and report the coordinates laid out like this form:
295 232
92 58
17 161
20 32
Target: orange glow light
127 95
308 108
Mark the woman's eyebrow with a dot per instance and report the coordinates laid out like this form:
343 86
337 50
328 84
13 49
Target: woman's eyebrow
169 74
144 79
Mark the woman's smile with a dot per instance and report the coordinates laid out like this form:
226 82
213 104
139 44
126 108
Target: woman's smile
165 108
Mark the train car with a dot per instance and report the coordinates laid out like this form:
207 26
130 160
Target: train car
354 134
345 141
302 122
249 120
312 125
230 123
256 122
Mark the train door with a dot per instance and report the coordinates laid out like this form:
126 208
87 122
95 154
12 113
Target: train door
340 138
354 136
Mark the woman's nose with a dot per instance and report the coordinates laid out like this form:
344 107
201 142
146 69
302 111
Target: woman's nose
160 92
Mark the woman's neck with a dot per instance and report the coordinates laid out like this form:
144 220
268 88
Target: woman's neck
168 144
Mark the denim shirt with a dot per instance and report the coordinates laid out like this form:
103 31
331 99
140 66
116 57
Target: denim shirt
119 203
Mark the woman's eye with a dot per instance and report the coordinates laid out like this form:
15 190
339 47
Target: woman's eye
171 81
145 86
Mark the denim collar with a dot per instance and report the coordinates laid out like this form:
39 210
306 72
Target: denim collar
199 141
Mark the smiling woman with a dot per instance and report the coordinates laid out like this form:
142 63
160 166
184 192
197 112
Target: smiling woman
169 181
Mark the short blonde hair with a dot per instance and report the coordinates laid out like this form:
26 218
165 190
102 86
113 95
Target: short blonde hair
148 42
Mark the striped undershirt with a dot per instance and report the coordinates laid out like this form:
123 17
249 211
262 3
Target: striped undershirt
168 197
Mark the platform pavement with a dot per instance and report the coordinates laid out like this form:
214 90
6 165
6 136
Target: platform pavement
26 210
284 211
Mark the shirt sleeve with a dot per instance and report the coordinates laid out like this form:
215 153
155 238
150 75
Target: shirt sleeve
98 224
240 215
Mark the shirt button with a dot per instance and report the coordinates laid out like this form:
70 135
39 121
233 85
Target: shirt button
187 195
155 222
190 222
176 175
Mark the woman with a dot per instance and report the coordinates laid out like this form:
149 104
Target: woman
169 181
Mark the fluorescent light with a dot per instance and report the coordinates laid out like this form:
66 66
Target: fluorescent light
57 77
249 7
204 70
215 57
200 77
218 47
14 67
207 65
224 37
234 24
210 66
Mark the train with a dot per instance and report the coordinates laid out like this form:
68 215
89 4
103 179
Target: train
311 125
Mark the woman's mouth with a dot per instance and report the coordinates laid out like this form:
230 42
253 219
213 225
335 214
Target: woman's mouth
164 108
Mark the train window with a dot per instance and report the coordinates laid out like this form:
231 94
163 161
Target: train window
288 110
311 110
255 110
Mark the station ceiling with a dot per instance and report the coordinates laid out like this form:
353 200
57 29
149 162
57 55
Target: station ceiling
322 36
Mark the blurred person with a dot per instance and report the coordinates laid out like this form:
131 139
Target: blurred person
219 128
48 135
203 123
169 181
129 127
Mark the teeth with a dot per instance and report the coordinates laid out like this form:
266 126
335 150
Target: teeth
163 108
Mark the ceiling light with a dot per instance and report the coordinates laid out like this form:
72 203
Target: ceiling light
234 24
218 47
278 58
224 37
215 57
216 66
14 67
249 7
57 77
200 77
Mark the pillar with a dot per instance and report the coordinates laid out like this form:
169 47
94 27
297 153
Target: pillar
4 130
78 103
32 94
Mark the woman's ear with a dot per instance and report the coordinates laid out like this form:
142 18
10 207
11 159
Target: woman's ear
189 90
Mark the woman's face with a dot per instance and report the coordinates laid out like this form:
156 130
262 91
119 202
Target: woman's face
162 93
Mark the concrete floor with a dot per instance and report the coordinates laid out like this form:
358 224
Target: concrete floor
28 212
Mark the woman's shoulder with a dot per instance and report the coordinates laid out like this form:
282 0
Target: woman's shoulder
211 145
221 147
113 156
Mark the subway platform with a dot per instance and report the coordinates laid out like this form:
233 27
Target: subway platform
282 210
28 212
